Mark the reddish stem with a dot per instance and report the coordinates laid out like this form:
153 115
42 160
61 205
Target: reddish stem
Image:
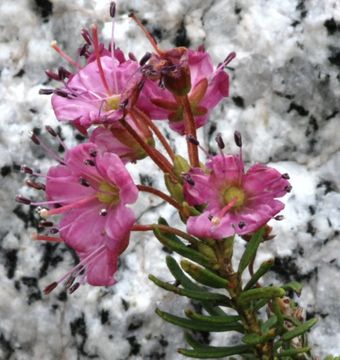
155 129
190 129
160 194
155 155
147 34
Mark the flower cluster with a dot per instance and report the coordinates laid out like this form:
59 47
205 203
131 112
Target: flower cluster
115 101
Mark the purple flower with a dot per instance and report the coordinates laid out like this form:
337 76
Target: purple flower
90 191
236 202
208 88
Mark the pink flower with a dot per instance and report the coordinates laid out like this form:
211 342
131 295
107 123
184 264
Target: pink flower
90 190
208 88
114 138
95 93
236 202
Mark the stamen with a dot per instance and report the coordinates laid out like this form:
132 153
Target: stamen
48 150
62 93
47 238
83 51
26 170
35 185
84 182
86 35
52 75
93 153
219 141
112 9
55 46
63 73
279 217
46 224
46 91
53 231
145 58
132 56
285 176
241 224
51 131
89 162
288 188
48 289
103 212
44 213
238 138
22 200
74 288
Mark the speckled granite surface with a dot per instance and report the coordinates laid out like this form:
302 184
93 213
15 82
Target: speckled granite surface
285 94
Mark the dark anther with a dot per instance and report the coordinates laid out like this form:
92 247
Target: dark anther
83 50
74 288
84 182
238 138
89 162
50 288
51 131
46 224
25 169
210 217
103 212
35 185
145 59
188 179
241 224
46 91
61 93
52 75
112 9
53 231
279 217
34 138
69 282
86 35
63 73
229 58
22 200
288 188
285 176
93 153
193 140
132 56
219 141
124 104
168 69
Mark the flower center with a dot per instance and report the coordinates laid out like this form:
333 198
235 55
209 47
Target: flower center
108 193
236 194
112 103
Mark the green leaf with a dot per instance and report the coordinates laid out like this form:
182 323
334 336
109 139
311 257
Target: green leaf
250 251
299 330
261 293
198 325
211 352
180 248
179 275
292 352
192 294
204 276
255 339
279 315
223 319
294 286
264 267
259 304
265 327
